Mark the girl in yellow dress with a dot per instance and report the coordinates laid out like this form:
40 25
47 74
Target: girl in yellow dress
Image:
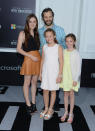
71 75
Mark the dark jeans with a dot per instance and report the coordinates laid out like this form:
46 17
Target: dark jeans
57 99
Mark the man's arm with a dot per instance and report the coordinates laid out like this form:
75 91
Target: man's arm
63 39
42 39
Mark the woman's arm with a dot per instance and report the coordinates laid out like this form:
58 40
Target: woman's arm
21 39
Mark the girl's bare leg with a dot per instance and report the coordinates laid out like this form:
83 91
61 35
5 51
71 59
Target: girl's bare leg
46 103
52 102
71 101
70 119
66 99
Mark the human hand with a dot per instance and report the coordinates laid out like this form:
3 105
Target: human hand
59 79
34 58
74 83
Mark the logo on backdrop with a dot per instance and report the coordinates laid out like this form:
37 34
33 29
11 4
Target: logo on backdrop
14 26
10 68
14 42
21 10
11 25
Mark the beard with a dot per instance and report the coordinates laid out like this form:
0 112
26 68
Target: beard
48 23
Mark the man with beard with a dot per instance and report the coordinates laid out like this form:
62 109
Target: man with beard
48 17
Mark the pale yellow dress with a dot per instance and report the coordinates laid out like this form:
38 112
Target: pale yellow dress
67 82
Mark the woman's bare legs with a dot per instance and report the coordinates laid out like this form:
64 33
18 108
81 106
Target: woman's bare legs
27 79
34 88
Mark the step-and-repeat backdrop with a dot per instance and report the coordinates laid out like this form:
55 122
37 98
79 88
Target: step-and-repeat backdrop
12 20
13 14
10 64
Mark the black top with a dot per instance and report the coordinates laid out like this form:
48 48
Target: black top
32 45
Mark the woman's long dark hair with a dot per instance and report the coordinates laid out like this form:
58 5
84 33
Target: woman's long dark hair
51 30
27 31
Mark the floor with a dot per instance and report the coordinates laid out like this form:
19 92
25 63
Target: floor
13 116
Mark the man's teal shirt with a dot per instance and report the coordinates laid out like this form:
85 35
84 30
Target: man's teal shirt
60 36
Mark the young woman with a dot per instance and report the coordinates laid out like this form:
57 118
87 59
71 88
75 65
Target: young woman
28 45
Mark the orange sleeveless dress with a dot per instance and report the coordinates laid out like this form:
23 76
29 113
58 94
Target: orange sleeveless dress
30 67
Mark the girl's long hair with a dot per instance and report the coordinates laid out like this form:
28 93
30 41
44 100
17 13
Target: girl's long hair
27 31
